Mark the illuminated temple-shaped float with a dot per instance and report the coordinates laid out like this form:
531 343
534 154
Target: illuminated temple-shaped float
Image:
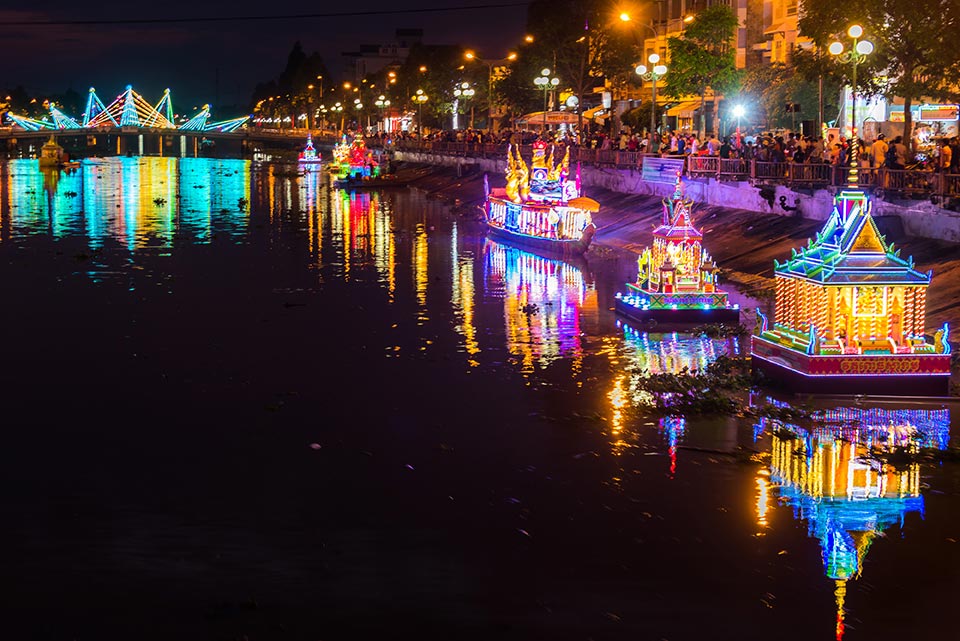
849 315
677 279
309 155
541 207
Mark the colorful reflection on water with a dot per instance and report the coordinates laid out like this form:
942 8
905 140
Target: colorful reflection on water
838 474
640 354
546 302
135 202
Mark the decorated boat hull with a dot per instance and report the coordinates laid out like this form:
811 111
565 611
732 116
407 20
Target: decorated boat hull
571 248
881 374
670 316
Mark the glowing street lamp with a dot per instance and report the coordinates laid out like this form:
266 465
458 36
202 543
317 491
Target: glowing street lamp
545 82
338 108
420 98
855 55
382 103
473 57
738 112
465 92
652 74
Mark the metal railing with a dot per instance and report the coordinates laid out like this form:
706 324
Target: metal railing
902 182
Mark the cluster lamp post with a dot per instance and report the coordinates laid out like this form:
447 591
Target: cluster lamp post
857 53
420 98
382 103
545 82
465 92
652 74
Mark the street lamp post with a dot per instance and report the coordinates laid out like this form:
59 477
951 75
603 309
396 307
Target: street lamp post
358 105
382 103
465 92
545 82
420 98
656 71
857 54
338 108
469 55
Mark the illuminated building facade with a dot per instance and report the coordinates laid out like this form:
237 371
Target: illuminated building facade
850 314
677 279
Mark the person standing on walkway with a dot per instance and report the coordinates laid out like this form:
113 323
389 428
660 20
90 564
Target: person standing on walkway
878 151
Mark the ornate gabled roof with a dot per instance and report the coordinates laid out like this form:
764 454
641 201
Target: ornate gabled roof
677 221
851 250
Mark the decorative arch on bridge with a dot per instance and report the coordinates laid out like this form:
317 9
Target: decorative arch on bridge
129 109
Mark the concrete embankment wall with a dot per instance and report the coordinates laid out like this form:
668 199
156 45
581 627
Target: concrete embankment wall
918 218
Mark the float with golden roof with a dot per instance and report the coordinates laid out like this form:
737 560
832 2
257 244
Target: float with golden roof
541 207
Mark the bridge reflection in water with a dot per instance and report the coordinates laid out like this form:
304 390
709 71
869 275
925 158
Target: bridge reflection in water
849 473
135 202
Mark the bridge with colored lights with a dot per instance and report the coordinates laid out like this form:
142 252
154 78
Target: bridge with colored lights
129 109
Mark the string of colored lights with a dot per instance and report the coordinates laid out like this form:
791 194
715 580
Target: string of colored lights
129 109
199 120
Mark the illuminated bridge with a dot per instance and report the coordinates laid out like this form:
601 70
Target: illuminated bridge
129 109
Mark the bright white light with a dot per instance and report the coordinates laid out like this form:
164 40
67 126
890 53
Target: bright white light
738 111
654 58
544 72
864 47
641 69
836 48
855 31
660 70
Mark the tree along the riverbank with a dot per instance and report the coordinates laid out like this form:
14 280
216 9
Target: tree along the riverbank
916 53
704 58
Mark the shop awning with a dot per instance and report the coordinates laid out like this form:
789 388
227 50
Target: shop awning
552 118
775 28
684 109
596 112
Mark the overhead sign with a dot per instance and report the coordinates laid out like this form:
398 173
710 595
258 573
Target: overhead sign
661 170
932 113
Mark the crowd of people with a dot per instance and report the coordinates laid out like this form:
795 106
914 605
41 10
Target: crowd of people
766 147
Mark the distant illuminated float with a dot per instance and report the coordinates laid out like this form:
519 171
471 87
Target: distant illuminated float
540 207
850 315
309 155
677 279
356 163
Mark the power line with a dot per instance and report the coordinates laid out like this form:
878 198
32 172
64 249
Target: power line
296 16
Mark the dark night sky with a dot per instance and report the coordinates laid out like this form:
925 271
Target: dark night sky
186 56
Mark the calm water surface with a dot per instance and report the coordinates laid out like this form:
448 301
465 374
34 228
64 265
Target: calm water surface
240 404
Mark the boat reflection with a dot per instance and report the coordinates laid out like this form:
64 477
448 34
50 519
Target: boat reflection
135 202
836 474
643 353
546 302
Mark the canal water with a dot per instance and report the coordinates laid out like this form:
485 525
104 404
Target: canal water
240 404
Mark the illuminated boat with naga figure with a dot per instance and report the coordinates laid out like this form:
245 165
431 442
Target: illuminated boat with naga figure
309 155
541 208
849 315
677 279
